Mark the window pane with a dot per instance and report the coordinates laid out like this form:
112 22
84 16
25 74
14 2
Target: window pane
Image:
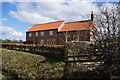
42 33
75 38
47 41
51 32
42 41
67 38
36 33
30 34
54 41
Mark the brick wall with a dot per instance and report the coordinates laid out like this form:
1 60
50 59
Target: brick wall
59 37
83 35
37 39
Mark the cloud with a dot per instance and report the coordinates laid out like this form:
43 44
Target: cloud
3 19
29 18
41 12
10 33
58 0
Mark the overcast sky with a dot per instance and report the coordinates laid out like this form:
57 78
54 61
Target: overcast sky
18 17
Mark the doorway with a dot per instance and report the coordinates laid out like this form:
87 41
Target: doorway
51 42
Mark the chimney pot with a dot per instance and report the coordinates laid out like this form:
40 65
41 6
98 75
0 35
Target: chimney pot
92 16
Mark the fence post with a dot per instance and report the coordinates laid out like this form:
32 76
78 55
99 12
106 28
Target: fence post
42 48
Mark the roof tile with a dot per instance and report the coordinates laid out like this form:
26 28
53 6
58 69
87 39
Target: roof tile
46 26
78 25
71 26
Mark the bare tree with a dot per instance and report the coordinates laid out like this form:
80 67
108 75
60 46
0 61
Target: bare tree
108 44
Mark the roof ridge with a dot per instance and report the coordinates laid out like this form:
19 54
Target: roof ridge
48 23
77 21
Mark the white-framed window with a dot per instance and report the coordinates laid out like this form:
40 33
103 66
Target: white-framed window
51 33
42 42
30 34
67 38
54 41
75 38
36 33
47 41
42 33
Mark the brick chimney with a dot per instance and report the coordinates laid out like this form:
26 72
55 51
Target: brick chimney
92 16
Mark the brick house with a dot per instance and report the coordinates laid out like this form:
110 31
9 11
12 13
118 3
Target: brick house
60 32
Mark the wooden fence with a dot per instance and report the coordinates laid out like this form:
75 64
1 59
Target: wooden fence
58 49
79 64
78 59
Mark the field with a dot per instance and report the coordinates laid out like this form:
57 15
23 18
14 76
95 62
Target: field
31 65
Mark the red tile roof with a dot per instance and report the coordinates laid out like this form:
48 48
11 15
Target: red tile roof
78 25
46 26
71 26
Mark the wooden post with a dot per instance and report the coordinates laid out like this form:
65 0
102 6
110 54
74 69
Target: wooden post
42 48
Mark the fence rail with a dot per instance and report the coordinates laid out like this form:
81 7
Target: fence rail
34 47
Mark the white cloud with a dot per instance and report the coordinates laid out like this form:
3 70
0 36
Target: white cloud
58 0
10 33
30 18
3 19
40 12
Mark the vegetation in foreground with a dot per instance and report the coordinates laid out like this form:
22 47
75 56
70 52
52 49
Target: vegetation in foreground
31 66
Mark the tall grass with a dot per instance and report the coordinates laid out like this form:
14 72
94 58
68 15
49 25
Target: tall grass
27 65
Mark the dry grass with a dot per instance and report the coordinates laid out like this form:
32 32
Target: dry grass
25 65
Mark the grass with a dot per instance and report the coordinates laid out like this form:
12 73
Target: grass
25 64
1 76
52 58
